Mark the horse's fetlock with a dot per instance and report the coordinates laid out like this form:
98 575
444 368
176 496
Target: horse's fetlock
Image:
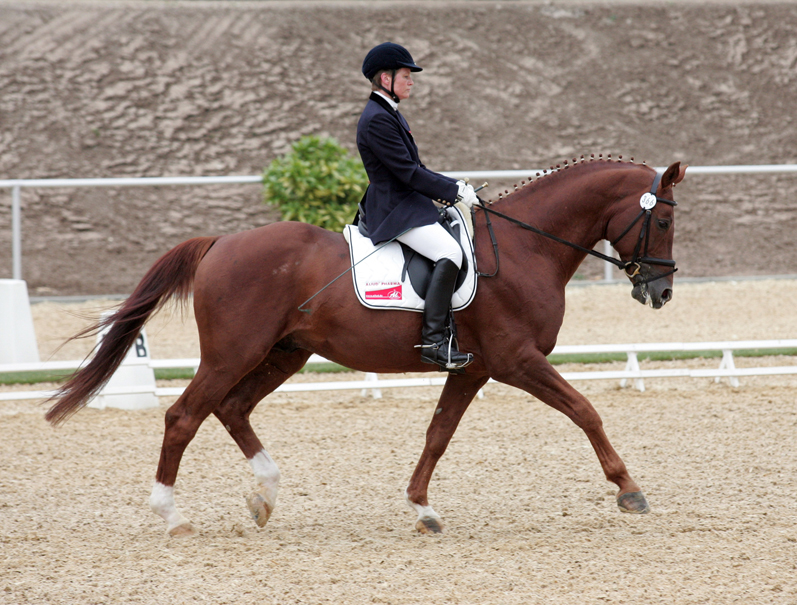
616 472
437 451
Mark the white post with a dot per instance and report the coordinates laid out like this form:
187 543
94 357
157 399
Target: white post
727 363
632 365
371 377
16 233
17 336
608 268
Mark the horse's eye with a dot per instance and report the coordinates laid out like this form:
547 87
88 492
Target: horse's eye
664 224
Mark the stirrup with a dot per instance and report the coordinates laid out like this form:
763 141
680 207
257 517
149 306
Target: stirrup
431 353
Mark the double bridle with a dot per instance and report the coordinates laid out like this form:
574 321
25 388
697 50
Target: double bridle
631 268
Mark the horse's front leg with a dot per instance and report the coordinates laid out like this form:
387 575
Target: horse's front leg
539 378
458 392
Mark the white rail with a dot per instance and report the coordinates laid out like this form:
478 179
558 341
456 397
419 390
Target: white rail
632 371
16 186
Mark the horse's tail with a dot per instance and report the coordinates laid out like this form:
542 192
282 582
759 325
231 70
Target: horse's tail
172 275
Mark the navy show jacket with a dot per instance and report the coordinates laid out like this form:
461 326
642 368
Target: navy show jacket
401 191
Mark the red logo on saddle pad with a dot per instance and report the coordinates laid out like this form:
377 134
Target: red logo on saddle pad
392 293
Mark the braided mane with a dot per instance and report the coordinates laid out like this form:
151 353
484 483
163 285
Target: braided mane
554 173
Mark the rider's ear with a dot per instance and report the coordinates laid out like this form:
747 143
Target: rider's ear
674 174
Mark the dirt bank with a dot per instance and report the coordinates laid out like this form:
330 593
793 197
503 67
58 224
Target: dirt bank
104 89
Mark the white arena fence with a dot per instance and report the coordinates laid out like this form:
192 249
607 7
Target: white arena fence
16 186
632 372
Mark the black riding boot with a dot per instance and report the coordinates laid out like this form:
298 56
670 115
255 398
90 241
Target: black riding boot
436 344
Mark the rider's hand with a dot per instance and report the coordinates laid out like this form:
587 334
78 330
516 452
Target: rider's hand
466 194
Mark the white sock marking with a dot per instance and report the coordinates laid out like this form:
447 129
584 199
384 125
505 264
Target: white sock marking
267 475
424 512
161 501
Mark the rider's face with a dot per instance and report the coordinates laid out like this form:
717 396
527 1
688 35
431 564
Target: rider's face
402 84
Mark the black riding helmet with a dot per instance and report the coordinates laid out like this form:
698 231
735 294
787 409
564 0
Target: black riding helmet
388 56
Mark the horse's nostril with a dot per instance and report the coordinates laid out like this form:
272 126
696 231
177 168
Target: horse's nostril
666 296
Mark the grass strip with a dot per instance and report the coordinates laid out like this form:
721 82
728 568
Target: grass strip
558 359
58 376
174 373
324 368
34 377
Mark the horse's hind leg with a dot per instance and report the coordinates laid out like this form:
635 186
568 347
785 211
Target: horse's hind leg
459 391
200 398
234 413
211 392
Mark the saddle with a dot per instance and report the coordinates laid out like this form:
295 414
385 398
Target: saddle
394 276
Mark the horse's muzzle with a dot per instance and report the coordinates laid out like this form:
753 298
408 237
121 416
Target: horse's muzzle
655 293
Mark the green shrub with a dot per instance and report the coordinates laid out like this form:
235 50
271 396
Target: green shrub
316 182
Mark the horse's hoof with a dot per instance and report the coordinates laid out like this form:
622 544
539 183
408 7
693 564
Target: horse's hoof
633 502
259 508
429 525
184 530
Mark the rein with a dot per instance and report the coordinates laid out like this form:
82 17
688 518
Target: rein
648 202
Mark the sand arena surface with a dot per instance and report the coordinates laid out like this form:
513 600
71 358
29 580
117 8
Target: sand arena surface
529 516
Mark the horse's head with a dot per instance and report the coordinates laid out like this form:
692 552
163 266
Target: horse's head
642 233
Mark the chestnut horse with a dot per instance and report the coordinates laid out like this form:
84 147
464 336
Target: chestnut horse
248 287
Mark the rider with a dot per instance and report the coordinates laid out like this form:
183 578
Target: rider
398 203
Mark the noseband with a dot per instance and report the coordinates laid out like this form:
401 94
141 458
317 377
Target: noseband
631 268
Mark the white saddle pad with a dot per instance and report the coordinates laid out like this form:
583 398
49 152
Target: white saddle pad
377 271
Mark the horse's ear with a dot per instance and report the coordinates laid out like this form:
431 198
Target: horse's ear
673 175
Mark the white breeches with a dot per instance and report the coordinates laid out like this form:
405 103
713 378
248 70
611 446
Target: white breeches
433 242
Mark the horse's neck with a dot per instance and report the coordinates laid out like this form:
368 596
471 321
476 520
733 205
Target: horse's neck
567 205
